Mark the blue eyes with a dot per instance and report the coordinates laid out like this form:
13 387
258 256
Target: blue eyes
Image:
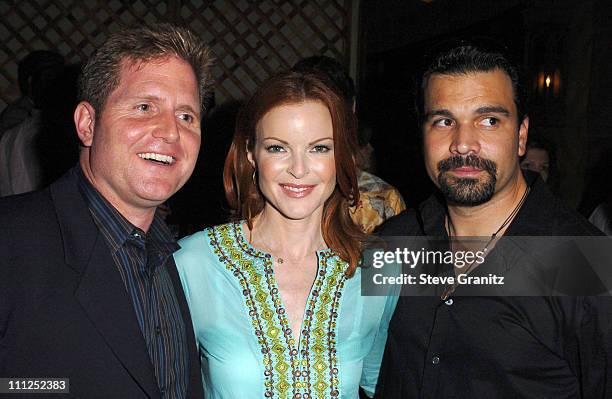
321 148
275 148
148 108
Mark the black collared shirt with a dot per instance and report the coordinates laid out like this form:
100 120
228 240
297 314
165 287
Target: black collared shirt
141 261
498 347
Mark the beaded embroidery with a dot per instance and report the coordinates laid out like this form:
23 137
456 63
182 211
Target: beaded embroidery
308 371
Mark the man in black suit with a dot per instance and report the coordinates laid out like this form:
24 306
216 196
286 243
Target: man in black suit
450 343
88 287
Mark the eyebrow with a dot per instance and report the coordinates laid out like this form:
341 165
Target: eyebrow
321 139
274 138
188 108
489 109
438 112
284 142
493 109
150 97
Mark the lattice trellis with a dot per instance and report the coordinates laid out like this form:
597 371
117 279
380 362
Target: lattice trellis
250 39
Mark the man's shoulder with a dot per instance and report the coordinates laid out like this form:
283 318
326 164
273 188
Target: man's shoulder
370 183
405 223
23 207
546 214
38 210
28 224
570 222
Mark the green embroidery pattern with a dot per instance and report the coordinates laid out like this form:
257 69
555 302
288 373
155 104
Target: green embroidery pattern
323 308
308 371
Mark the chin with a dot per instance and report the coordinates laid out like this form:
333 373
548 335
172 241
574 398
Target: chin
156 192
299 213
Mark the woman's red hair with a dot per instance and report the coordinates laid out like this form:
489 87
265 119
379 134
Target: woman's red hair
339 232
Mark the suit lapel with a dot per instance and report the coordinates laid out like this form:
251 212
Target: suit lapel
101 291
106 302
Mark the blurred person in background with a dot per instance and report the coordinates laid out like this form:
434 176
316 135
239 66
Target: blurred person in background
22 123
540 157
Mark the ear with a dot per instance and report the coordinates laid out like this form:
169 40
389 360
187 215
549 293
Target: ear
523 133
250 156
84 121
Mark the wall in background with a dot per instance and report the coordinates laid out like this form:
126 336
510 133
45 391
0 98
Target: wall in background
568 40
250 39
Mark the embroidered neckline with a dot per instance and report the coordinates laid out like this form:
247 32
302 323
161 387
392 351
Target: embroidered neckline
308 369
248 247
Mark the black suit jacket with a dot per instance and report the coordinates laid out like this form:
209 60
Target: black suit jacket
64 310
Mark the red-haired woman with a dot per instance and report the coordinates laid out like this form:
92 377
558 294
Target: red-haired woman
275 295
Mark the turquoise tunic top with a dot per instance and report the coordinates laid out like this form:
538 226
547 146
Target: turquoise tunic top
243 333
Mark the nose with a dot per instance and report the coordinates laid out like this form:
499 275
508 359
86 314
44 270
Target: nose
167 128
465 141
298 166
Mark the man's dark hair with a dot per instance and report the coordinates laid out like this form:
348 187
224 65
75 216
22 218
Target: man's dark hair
465 58
334 71
101 74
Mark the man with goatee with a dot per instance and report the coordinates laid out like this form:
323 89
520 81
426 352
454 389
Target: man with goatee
452 345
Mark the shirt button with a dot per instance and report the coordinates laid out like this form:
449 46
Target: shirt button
449 302
435 360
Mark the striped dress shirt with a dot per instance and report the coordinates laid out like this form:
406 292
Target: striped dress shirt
141 259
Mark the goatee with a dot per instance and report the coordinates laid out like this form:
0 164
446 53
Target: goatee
466 190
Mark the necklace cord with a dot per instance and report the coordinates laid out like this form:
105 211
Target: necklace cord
451 287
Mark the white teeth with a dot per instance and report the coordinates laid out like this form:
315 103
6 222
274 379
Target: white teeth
167 159
295 189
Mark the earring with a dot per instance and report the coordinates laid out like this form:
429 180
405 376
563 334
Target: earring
253 177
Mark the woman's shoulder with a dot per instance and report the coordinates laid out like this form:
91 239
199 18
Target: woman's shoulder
371 295
195 241
201 245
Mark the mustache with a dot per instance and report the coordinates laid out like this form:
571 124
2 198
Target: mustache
457 161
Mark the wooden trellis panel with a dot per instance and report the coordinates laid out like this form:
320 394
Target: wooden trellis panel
250 39
253 39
